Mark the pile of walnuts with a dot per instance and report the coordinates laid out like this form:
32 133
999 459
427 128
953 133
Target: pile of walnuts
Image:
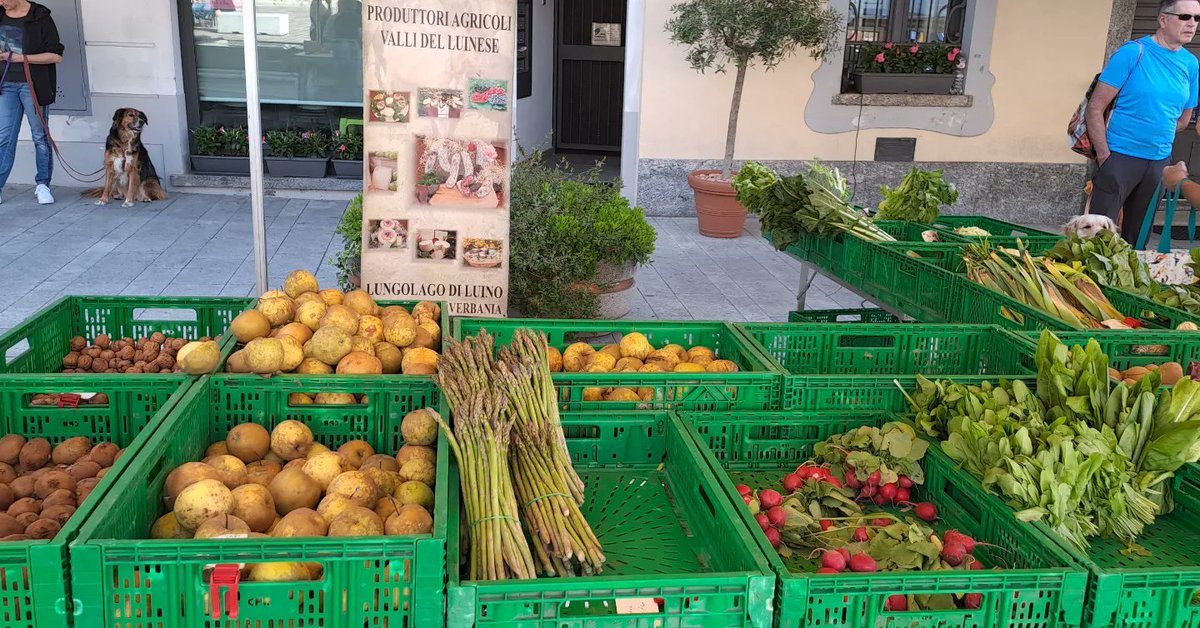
155 354
41 486
52 399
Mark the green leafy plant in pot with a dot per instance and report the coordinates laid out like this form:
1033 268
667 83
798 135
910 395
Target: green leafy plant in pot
576 242
349 260
743 33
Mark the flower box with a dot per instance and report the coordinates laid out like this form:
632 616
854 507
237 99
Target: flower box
310 167
889 83
218 164
348 168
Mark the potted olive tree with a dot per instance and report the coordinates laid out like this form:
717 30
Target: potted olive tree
743 33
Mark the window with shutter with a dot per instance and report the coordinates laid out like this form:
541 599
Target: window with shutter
903 23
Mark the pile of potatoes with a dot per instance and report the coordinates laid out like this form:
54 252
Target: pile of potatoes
41 486
257 484
305 330
153 354
1170 372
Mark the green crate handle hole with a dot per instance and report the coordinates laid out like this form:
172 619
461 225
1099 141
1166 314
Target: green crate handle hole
166 314
60 606
16 351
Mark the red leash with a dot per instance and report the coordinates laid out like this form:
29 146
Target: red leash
37 108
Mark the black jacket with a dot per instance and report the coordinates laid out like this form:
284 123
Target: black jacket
41 35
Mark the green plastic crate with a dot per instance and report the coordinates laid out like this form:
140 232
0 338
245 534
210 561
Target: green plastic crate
1041 586
917 288
845 255
755 386
39 344
1136 347
668 535
123 579
997 228
865 315
443 323
34 574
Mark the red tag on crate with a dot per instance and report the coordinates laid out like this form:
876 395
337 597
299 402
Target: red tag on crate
227 577
69 400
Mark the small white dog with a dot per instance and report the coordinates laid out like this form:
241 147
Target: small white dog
1089 225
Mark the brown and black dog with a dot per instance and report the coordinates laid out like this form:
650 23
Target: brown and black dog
128 171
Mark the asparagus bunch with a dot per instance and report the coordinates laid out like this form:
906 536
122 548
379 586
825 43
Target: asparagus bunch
480 441
545 480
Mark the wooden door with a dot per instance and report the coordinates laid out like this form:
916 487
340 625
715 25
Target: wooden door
590 85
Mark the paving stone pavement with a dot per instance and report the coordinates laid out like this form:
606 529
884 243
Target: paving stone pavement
200 244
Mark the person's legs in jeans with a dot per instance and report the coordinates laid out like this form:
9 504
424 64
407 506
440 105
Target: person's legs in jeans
41 141
11 111
1140 197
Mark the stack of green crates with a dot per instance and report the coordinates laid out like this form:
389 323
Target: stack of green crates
754 386
1038 584
860 315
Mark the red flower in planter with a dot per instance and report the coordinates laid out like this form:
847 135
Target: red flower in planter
879 58
915 49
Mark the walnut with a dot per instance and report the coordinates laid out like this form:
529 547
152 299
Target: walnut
151 367
84 363
94 352
126 353
100 399
112 370
134 369
178 343
70 360
152 347
165 362
102 341
99 365
108 354
78 343
158 337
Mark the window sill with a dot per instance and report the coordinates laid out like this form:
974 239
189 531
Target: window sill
903 100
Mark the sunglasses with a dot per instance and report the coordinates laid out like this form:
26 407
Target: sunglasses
1183 17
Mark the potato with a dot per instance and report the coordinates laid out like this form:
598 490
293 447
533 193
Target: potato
202 501
355 452
262 472
167 527
35 454
419 361
293 353
23 486
310 315
16 537
299 399
291 439
410 519
278 310
249 442
356 486
253 504
293 489
356 521
335 399
60 513
299 332
301 522
70 450
332 296
329 345
184 476
24 505
7 497
9 525
1171 373
7 473
84 488
399 330
342 318
26 519
61 497
221 526
231 470
298 282
43 529
53 481
360 301
105 454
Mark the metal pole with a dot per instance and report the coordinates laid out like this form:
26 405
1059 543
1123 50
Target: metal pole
254 124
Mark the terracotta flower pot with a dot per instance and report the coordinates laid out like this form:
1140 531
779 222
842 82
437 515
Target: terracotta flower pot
717 208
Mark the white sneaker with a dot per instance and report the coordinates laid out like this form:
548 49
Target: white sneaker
44 196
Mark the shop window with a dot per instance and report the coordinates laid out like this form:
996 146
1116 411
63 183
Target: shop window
309 53
923 23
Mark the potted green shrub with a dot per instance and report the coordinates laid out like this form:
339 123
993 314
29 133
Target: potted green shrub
576 242
295 153
349 260
347 151
743 33
886 68
220 150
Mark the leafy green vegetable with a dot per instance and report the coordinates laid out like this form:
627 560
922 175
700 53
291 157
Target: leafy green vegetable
919 197
893 450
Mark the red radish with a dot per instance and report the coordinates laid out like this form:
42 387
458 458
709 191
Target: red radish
763 520
954 536
902 495
888 491
860 535
777 516
881 522
833 560
954 553
874 478
791 482
879 499
975 564
926 511
862 563
834 481
973 600
905 482
773 537
845 553
869 490
852 480
769 499
826 524
896 603
747 499
743 490
827 570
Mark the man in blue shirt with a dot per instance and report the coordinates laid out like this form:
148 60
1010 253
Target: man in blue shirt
1155 83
